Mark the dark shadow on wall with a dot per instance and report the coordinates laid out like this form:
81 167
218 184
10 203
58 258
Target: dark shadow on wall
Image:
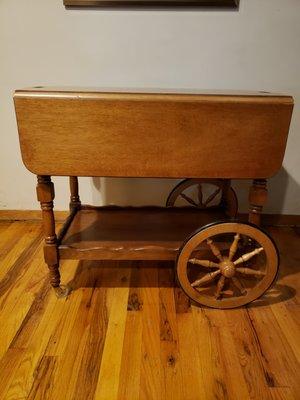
133 191
234 6
278 187
146 191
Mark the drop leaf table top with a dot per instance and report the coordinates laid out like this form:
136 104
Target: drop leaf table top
155 133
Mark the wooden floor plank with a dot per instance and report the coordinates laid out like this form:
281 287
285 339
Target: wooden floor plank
151 382
221 372
249 353
8 364
287 240
193 378
44 377
12 249
24 374
80 355
89 364
169 351
289 327
11 235
278 358
282 393
107 387
230 366
33 338
130 371
207 353
38 307
15 303
3 229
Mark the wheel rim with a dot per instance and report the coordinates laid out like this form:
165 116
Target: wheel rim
222 273
203 198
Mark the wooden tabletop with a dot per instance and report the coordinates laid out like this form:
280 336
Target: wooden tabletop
179 133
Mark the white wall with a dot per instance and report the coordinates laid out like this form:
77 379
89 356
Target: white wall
42 43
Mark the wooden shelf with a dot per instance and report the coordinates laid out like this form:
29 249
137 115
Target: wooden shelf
144 233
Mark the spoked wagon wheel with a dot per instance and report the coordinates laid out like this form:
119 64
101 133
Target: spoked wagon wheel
218 266
205 194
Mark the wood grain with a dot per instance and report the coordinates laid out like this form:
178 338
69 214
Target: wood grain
92 345
29 215
152 134
148 233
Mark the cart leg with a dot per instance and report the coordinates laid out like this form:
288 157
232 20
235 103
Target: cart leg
74 195
258 196
45 195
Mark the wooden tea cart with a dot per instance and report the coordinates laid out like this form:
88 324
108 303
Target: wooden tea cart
206 139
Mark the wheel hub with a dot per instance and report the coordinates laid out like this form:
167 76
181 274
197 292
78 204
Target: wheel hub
227 268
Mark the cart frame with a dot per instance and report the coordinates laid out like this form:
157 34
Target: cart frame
212 137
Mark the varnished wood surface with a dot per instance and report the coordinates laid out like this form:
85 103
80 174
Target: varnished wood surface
179 135
148 233
127 333
29 215
57 90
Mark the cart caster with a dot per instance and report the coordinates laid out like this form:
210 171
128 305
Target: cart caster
214 269
62 291
205 194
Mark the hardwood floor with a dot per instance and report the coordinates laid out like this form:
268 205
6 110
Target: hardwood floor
127 333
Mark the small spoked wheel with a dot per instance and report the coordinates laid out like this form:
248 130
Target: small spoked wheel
204 194
227 264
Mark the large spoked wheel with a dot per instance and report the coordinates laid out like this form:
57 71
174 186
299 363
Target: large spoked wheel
204 194
227 264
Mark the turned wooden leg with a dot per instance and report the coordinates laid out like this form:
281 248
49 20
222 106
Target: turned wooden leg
74 197
45 195
258 195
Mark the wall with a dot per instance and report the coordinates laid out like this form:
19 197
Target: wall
42 43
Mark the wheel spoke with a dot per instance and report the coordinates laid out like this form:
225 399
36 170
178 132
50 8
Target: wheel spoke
204 263
228 292
200 195
220 286
234 246
188 199
238 285
206 278
214 249
211 197
249 271
247 256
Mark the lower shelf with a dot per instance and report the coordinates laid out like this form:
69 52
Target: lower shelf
132 233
